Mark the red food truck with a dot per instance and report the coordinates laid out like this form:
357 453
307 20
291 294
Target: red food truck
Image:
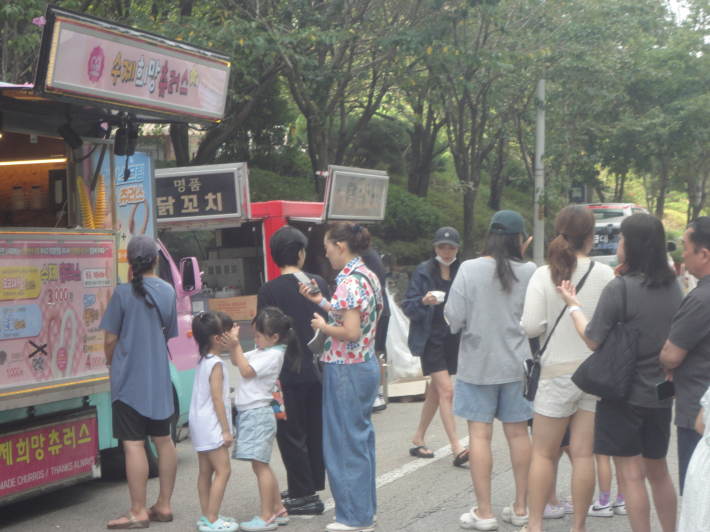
71 198
239 262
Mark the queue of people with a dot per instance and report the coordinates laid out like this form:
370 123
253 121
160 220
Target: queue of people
471 319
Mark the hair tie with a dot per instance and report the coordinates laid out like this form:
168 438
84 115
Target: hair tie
356 228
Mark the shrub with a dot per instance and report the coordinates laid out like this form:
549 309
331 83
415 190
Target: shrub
407 217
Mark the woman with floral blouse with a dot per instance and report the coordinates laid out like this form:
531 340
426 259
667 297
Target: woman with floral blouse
351 377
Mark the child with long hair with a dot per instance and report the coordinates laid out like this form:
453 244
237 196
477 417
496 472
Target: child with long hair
275 339
210 420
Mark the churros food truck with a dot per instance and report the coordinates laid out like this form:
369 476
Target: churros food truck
70 201
239 262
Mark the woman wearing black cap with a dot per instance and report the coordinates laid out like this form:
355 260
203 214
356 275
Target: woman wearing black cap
430 339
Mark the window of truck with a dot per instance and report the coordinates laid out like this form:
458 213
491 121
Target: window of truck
604 214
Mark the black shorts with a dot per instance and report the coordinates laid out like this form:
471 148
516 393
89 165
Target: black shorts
381 334
621 429
129 425
441 353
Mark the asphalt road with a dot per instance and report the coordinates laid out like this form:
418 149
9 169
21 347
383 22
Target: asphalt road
414 495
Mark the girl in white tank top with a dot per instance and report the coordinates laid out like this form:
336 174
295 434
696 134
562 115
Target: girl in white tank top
210 419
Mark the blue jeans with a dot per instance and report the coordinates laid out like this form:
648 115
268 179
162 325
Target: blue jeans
687 442
349 390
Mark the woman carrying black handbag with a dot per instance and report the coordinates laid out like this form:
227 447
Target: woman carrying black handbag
638 429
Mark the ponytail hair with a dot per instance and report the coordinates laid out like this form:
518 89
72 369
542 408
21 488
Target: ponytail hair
205 326
573 225
355 236
504 248
139 267
270 321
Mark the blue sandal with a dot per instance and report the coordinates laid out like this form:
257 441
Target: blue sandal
257 525
220 525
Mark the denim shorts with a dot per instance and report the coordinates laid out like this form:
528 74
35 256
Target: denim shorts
256 430
486 402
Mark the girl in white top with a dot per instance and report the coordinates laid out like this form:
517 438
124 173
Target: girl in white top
210 422
559 402
275 339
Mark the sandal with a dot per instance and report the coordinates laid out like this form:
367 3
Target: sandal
418 452
203 520
461 458
131 524
155 515
220 525
278 519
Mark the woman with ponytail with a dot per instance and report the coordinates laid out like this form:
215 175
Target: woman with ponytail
141 391
559 402
350 378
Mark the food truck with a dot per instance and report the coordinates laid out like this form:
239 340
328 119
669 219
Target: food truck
71 198
239 262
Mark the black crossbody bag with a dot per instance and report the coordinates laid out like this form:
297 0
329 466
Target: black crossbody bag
531 366
162 321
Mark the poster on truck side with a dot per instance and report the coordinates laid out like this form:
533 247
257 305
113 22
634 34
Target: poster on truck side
50 453
134 202
54 290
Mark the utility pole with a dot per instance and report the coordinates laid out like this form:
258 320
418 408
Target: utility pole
539 210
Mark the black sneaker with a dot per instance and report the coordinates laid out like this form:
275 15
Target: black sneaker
304 505
284 494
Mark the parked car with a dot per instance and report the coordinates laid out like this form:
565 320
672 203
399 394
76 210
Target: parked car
608 218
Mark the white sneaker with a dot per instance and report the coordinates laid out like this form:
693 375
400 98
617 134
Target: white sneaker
470 521
509 516
597 510
619 507
379 403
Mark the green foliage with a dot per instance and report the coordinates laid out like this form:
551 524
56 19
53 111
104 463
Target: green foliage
407 218
267 186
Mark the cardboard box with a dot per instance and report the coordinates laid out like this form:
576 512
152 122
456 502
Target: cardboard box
238 308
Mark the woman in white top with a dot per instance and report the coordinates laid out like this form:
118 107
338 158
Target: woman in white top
559 402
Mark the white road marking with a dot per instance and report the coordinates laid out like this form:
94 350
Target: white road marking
396 474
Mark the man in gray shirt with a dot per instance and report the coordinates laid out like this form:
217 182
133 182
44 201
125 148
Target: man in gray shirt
686 355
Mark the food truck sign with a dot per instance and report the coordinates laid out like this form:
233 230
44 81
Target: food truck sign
356 194
90 59
214 193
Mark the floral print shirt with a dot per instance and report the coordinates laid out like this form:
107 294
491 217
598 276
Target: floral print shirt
353 292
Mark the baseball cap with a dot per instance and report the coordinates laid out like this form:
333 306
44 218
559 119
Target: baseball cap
142 246
447 235
507 223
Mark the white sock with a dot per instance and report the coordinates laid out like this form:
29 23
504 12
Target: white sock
381 390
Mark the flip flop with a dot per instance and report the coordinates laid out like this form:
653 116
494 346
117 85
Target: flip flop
155 515
133 523
417 452
461 458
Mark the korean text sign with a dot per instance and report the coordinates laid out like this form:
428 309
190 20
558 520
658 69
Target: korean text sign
47 454
108 63
196 196
53 293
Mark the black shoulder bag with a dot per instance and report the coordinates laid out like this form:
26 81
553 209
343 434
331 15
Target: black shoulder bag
531 366
609 371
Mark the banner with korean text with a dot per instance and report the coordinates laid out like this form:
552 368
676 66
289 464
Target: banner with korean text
98 60
47 454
